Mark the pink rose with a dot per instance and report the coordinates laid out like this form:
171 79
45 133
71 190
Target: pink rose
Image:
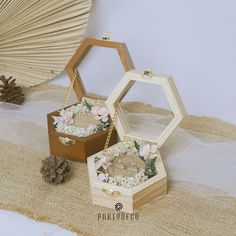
102 162
94 111
66 117
102 177
98 164
100 113
103 113
56 120
147 150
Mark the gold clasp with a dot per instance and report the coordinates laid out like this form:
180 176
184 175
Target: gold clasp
106 37
148 73
67 141
111 193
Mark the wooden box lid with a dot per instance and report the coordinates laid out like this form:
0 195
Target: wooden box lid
83 50
171 93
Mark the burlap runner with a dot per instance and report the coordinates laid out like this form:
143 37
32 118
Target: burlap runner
188 209
69 205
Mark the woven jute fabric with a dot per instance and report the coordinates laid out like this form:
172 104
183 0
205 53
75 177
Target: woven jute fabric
188 208
196 123
179 213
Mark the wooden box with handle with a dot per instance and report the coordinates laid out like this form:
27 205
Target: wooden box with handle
78 131
131 173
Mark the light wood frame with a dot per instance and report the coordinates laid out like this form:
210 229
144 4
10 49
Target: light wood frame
171 92
107 195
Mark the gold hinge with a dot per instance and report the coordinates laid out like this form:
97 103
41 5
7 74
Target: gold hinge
148 73
107 37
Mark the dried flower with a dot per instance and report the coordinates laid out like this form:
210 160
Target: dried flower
149 157
148 149
102 162
64 122
102 177
66 117
100 113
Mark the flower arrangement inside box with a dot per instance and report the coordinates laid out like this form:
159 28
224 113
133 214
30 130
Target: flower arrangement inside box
80 130
82 119
127 164
131 172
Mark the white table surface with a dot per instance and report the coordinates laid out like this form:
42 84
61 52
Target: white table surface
13 224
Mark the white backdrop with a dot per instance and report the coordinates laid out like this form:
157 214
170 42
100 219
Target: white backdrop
194 41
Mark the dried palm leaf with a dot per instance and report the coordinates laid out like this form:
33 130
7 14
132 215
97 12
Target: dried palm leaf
37 37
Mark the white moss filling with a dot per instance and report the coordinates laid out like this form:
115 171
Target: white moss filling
68 128
126 181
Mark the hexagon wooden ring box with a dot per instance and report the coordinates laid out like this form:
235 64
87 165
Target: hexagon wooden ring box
73 144
138 187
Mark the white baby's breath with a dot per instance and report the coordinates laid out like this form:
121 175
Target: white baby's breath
127 181
125 148
63 127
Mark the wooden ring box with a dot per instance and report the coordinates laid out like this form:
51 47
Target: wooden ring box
108 195
79 148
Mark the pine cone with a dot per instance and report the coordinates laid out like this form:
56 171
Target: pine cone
9 92
55 169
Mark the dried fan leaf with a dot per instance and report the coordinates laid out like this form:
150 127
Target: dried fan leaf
39 37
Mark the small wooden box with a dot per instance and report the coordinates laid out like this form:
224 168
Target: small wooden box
109 195
79 148
73 147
